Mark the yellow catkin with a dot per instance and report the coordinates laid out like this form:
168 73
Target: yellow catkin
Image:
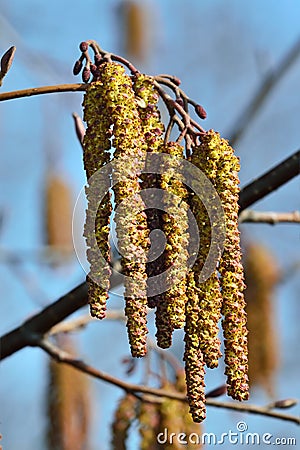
58 213
152 129
148 417
123 417
193 358
175 227
131 222
262 275
170 311
193 430
205 158
171 423
68 404
96 154
231 270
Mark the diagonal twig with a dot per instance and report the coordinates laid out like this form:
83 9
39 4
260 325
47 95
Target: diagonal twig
64 357
262 93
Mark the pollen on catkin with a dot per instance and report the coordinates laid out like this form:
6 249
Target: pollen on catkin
231 270
124 128
123 417
96 146
152 129
175 226
205 157
193 358
131 222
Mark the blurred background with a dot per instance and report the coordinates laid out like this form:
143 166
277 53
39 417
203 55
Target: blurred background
222 52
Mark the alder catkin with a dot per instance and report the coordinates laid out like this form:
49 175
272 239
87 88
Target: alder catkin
193 358
231 270
123 417
175 226
205 158
148 417
130 218
96 154
152 129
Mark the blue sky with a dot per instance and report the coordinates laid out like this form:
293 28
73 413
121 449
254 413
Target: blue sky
221 51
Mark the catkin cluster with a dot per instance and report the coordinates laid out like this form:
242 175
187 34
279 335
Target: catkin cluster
124 126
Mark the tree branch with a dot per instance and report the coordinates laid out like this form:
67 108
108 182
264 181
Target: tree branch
270 181
261 94
64 357
43 90
270 217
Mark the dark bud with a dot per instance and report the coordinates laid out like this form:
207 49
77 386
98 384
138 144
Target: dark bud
7 59
86 73
221 390
287 403
176 81
83 46
6 62
200 111
180 102
131 365
77 67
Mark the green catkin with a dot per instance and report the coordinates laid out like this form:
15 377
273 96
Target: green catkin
131 222
96 147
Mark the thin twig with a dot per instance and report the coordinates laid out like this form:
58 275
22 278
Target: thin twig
43 90
80 322
262 93
269 217
64 357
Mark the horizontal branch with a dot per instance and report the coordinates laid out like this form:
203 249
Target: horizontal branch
269 217
64 357
42 90
80 322
270 181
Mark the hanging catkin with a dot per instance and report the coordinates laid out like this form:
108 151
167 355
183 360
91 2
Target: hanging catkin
205 157
131 222
231 271
121 112
96 146
152 129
